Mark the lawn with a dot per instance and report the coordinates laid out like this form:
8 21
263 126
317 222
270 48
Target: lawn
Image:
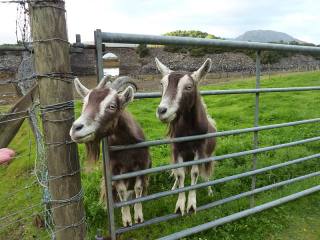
296 220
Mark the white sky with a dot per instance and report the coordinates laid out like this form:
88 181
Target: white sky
224 18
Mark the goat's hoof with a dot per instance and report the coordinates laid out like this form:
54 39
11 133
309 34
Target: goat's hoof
139 219
191 209
127 223
126 218
192 202
180 206
192 205
179 210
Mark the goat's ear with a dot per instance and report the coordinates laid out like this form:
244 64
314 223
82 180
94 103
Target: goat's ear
202 71
162 68
126 96
103 82
82 90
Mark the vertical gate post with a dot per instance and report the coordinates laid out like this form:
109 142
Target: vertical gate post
256 124
105 151
52 65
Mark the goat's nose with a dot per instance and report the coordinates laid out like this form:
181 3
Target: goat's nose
162 110
78 127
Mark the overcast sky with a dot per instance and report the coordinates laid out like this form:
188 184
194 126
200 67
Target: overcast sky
223 18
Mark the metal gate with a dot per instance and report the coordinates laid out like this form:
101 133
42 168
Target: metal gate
105 37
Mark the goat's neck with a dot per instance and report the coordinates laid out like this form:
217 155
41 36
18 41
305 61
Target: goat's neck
124 130
191 121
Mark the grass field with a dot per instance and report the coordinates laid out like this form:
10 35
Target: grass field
297 220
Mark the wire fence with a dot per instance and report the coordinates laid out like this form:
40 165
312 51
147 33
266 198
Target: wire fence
30 207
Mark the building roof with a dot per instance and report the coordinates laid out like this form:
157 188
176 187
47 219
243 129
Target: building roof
110 56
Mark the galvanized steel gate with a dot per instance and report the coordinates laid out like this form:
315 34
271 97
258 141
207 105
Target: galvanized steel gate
105 37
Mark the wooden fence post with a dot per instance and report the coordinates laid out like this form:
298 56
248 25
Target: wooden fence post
52 65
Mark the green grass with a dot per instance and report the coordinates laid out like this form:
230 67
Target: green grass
296 220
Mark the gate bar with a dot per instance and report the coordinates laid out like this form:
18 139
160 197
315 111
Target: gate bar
105 152
214 182
241 214
256 124
169 40
234 91
209 135
210 159
218 202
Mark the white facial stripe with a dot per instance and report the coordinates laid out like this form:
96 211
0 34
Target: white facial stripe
105 102
172 105
165 82
165 100
181 85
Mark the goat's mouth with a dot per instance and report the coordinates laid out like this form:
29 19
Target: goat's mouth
167 119
83 139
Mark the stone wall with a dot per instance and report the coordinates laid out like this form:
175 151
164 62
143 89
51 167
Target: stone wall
84 63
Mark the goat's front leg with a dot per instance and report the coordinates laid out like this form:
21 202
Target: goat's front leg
180 205
125 211
138 189
192 197
176 180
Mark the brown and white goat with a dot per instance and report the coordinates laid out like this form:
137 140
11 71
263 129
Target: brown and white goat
103 115
183 109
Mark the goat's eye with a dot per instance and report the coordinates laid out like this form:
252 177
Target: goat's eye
188 87
112 106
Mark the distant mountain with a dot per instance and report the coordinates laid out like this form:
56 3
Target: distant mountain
266 36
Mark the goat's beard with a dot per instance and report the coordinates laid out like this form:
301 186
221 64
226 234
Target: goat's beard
93 150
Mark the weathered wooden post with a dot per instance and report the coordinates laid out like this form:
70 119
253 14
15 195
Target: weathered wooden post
52 65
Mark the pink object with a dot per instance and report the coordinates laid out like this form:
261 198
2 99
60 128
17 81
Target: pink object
6 155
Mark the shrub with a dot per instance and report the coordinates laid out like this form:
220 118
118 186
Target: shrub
142 50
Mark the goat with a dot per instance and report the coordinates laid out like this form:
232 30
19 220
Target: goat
103 115
183 109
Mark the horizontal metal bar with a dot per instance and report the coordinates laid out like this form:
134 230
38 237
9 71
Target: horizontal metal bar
218 202
209 135
165 40
235 91
218 181
210 159
238 215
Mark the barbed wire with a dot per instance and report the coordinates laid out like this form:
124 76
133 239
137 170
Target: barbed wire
66 77
33 184
76 198
31 215
82 221
20 211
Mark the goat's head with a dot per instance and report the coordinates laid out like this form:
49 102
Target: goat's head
101 108
179 90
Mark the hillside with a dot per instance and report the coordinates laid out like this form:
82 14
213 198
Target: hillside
266 36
